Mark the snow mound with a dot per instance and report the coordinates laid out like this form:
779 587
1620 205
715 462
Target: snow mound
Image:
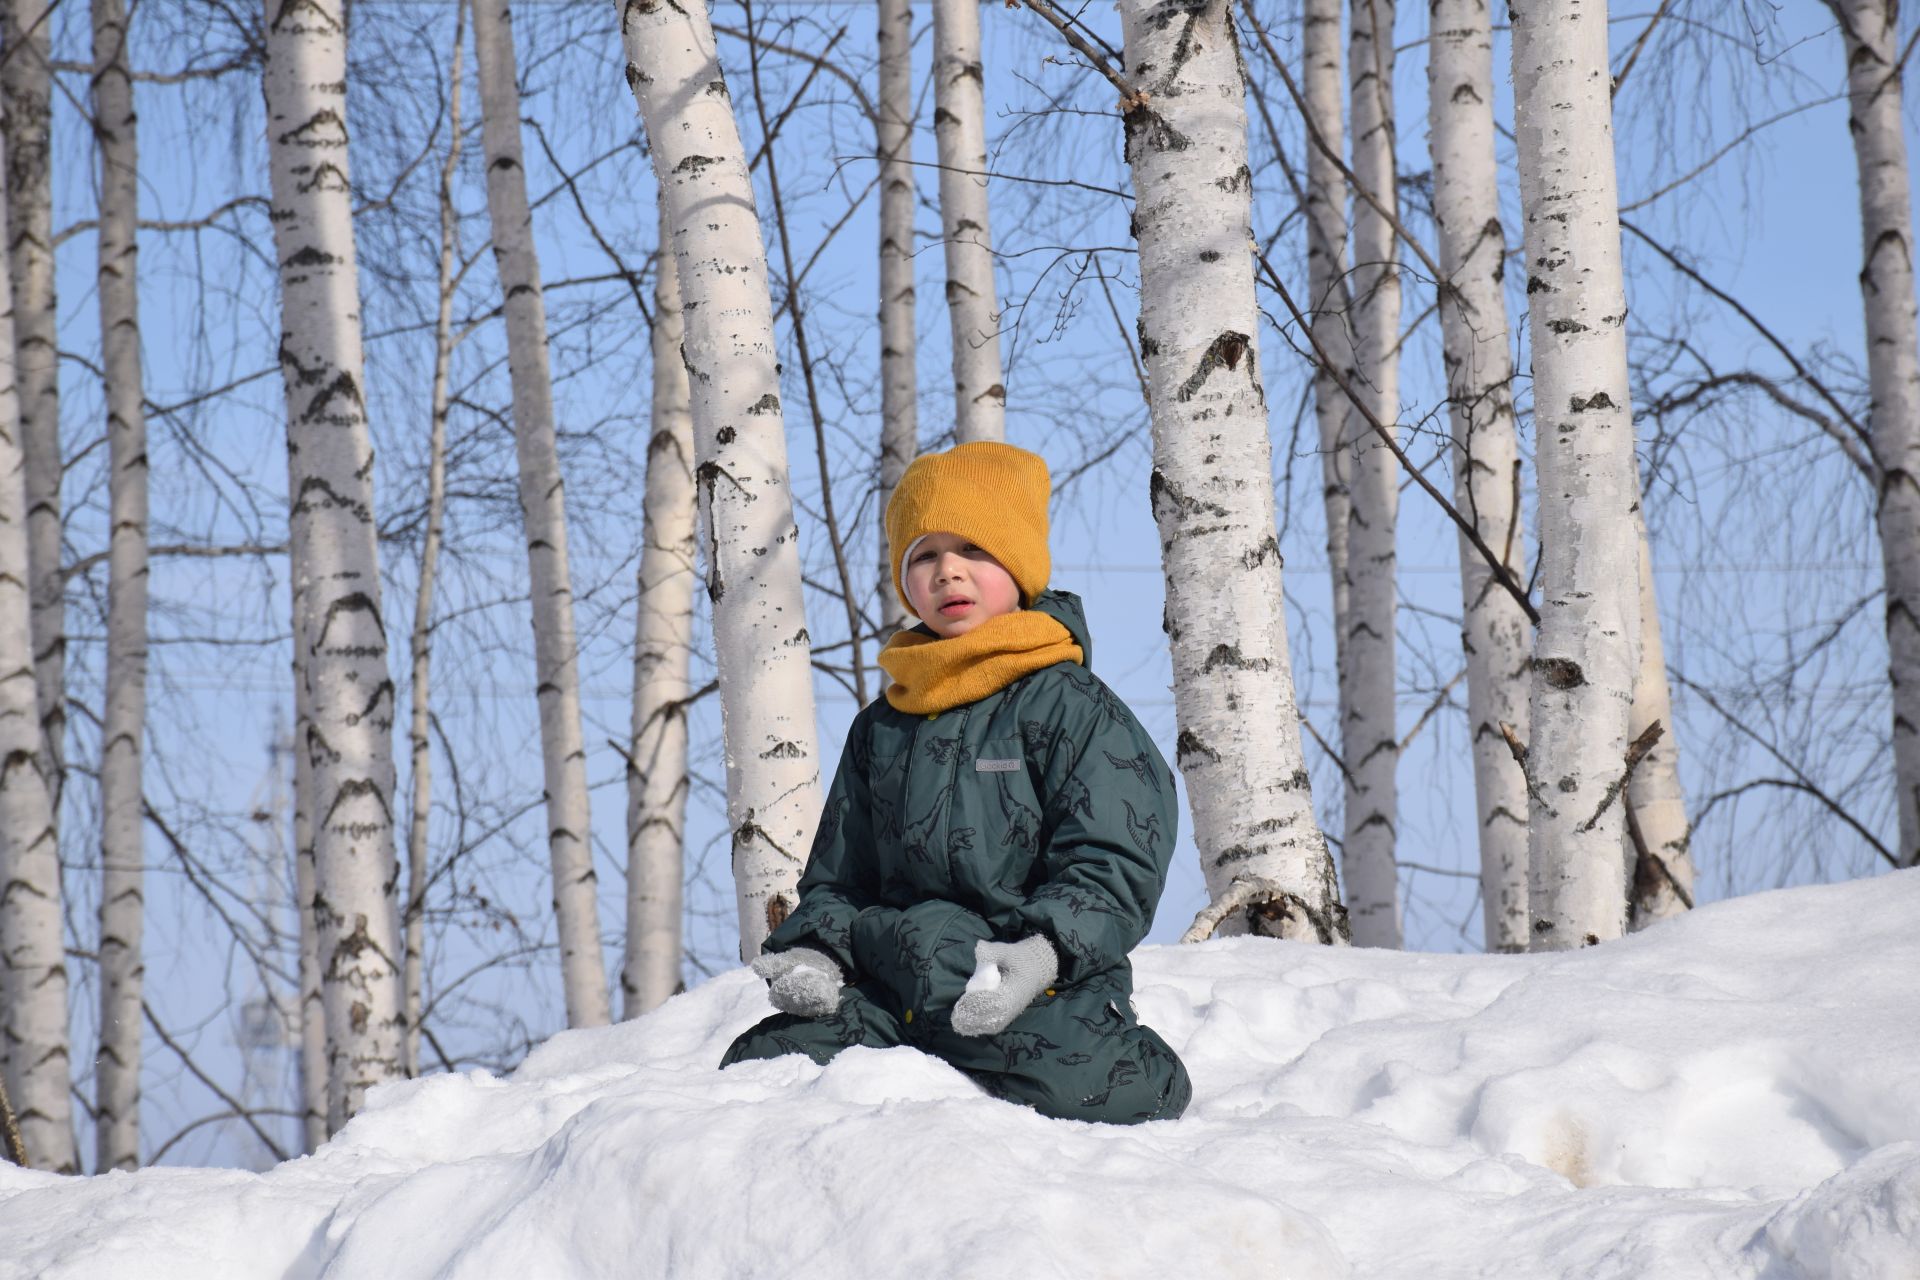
1733 1094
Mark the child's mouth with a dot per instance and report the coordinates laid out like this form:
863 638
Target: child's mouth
954 608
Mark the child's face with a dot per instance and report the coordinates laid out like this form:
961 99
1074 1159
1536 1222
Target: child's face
955 586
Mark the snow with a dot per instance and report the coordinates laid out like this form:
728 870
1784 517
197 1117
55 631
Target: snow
1732 1094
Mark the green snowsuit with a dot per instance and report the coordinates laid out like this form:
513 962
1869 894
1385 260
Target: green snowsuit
1043 808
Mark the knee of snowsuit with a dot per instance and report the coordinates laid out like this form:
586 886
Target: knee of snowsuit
1077 1054
1041 808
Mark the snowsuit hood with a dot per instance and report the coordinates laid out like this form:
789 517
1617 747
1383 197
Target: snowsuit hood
1065 608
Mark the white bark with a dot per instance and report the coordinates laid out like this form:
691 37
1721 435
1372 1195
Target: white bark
1479 358
117 1122
1587 647
312 1005
960 130
27 83
344 645
33 972
1320 82
583 971
657 778
1871 30
1199 325
1369 737
1662 876
899 337
763 652
419 726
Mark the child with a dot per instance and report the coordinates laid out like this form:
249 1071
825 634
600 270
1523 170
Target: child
997 834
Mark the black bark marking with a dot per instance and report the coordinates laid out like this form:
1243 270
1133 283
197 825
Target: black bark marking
1224 350
1560 673
1189 745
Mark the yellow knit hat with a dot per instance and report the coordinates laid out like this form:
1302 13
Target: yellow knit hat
992 494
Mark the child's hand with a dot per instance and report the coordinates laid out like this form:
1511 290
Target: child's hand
801 981
1007 977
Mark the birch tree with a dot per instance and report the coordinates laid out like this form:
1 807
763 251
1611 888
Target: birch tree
1477 349
27 84
122 914
899 336
960 130
420 746
763 652
1661 875
1327 283
1369 738
1265 861
343 642
583 972
1586 649
33 972
1871 30
657 777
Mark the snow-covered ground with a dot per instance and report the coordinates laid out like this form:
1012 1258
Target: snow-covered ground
1736 1094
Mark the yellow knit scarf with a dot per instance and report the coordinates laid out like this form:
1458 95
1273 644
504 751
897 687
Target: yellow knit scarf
931 674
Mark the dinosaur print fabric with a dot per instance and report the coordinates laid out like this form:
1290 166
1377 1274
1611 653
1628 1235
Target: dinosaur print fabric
1041 808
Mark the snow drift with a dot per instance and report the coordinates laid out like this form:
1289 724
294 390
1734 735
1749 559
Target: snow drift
1733 1094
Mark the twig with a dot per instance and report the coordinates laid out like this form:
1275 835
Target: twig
1440 700
1636 752
1793 784
1130 97
1645 857
797 311
1501 573
239 1108
1633 54
1800 782
1760 328
1331 753
195 550
1440 278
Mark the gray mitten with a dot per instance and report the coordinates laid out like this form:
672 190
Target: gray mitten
1007 977
801 981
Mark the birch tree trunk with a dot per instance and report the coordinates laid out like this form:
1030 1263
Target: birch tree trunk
1587 647
899 337
419 743
1479 359
763 652
960 129
1369 736
657 778
1872 33
1327 280
583 972
122 913
313 1011
1199 325
33 971
350 695
27 84
1661 869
